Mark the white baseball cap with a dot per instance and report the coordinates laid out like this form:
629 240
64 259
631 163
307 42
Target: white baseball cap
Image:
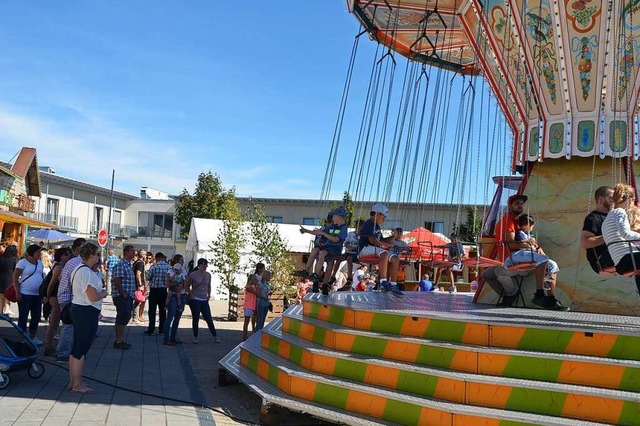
380 209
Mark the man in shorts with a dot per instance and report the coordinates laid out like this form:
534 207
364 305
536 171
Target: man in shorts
124 285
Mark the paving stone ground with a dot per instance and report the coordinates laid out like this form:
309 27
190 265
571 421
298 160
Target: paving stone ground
121 379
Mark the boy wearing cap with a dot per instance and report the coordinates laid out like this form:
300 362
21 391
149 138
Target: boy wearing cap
335 235
372 243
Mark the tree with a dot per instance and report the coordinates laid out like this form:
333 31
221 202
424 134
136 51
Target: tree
470 230
209 201
347 202
228 245
271 249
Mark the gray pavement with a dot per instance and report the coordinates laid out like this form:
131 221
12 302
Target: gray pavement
186 372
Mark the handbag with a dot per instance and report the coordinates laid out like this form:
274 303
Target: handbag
139 296
10 294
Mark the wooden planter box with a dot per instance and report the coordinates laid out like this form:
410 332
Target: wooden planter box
236 305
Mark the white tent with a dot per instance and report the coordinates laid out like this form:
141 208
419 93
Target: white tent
204 232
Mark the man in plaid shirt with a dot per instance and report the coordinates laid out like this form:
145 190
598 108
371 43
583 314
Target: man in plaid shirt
64 298
124 285
157 279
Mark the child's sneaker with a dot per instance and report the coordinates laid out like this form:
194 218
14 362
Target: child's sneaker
395 290
325 289
453 289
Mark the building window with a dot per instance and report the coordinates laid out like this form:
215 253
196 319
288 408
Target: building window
156 225
52 210
311 221
97 218
275 219
437 227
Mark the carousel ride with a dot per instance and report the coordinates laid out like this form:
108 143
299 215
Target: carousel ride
549 91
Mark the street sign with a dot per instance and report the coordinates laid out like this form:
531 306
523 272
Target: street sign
103 237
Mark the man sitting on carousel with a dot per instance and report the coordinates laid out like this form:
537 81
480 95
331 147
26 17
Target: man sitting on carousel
500 277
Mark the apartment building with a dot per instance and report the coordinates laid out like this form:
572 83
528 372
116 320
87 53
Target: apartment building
147 220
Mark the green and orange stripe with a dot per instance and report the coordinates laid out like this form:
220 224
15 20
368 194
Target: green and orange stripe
542 401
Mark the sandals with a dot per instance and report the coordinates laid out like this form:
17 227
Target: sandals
83 391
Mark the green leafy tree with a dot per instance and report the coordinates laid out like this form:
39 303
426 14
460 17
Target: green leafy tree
470 230
209 201
348 204
228 245
271 249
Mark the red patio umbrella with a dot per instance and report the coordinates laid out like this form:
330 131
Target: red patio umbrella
425 245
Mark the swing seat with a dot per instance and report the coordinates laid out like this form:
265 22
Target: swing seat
442 264
335 257
372 259
522 266
480 262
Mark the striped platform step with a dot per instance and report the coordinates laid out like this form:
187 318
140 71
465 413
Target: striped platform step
391 406
518 364
529 396
430 359
272 395
455 319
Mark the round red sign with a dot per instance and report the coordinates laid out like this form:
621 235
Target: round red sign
103 237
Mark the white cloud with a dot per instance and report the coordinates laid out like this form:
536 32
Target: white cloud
87 147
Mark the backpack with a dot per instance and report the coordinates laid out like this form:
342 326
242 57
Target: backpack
42 290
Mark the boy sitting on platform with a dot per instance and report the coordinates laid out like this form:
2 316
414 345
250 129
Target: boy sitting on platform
372 244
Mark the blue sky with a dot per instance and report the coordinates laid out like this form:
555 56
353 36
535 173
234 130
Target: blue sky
161 91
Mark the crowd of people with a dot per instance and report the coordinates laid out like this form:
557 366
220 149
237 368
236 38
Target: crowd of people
67 286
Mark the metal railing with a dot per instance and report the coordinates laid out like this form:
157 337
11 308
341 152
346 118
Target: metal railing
115 230
65 223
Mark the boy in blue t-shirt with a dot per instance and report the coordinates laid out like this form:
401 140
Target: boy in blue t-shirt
425 284
372 244
334 235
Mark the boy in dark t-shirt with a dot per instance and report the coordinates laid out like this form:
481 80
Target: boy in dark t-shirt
334 234
372 243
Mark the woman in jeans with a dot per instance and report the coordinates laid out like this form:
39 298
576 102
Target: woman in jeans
27 278
60 257
85 309
176 299
199 288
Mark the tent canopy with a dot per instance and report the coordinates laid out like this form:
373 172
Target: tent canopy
423 242
204 232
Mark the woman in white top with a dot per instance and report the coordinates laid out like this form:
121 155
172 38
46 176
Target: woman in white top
617 232
27 278
85 308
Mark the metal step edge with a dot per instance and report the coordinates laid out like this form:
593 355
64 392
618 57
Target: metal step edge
535 318
291 368
276 331
270 394
296 314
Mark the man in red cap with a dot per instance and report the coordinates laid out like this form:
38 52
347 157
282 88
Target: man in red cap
507 226
499 277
